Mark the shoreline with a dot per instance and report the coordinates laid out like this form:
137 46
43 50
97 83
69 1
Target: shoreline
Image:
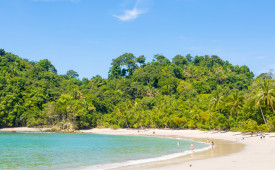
250 153
233 150
188 158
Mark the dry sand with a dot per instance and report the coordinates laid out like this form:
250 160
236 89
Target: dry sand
232 151
24 129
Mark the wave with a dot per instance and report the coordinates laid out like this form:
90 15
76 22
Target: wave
147 160
33 132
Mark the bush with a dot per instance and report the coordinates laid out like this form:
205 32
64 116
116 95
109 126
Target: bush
263 127
271 124
251 125
114 126
191 124
248 126
222 122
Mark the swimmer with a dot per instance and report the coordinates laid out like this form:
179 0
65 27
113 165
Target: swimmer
178 143
192 146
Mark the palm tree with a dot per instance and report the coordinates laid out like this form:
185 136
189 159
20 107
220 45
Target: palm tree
265 95
235 102
216 100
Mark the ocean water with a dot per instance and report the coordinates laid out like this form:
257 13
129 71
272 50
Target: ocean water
85 151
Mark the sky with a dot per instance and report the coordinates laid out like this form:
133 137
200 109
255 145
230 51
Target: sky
85 35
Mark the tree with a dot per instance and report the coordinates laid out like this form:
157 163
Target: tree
197 92
189 57
47 65
235 102
265 95
115 71
179 60
265 76
2 52
72 74
168 85
128 60
185 89
141 60
161 59
216 99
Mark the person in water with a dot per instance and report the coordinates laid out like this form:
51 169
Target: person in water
192 146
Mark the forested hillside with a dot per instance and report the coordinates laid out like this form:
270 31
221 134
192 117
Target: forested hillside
202 92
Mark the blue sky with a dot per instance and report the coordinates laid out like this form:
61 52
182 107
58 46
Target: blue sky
85 35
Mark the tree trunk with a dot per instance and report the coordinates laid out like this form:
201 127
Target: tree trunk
272 108
126 122
263 115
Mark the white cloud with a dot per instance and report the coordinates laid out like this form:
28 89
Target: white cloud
130 14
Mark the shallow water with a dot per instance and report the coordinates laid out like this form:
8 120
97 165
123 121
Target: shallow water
69 151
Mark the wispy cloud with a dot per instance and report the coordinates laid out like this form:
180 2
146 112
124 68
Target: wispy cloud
130 14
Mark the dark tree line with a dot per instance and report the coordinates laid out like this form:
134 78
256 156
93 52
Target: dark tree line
203 92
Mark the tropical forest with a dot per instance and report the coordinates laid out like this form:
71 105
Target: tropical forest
194 92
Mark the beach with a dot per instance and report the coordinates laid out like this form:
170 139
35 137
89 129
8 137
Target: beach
232 150
240 152
24 129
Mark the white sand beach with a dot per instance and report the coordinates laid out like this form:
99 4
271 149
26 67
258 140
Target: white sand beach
24 129
257 154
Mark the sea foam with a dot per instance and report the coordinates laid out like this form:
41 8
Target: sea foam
147 160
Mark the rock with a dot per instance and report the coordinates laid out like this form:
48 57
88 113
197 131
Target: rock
63 127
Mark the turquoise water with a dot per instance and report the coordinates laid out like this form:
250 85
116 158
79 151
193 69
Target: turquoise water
69 151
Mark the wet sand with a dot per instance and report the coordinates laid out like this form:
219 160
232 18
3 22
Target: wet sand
232 151
218 150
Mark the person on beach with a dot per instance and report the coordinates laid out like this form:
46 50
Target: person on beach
192 146
261 135
212 144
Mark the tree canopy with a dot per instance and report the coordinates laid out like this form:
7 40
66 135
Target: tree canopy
202 92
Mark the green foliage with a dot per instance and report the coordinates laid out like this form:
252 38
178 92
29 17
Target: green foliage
2 52
47 65
72 74
180 60
190 92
